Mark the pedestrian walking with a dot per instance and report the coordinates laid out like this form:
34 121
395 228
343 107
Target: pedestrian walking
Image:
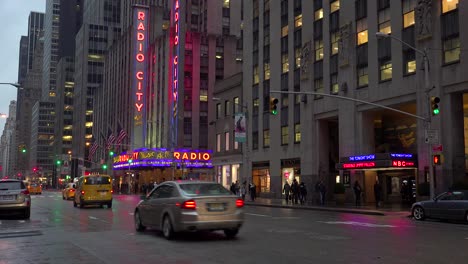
286 190
377 193
302 193
357 192
233 188
322 191
243 190
252 191
295 191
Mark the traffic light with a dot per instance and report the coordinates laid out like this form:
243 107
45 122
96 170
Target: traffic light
104 166
435 105
34 169
23 150
58 162
436 159
111 153
130 161
273 106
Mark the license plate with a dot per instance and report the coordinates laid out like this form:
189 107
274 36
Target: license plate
7 197
103 193
216 207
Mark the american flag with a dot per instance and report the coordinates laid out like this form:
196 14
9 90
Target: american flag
92 150
122 134
110 139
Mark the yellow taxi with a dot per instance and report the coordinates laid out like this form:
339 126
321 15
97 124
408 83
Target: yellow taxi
93 190
35 188
69 191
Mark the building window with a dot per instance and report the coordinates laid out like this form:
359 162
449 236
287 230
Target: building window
361 28
218 111
334 88
266 138
318 87
284 135
285 63
266 68
298 21
218 142
297 55
284 31
409 62
318 50
227 140
334 6
256 76
385 71
297 133
226 4
255 140
363 77
236 105
408 13
227 108
334 39
451 50
384 21
449 5
236 144
318 14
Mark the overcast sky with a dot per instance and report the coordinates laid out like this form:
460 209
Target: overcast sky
13 24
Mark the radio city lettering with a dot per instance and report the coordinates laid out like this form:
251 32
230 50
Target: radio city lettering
175 62
358 165
402 163
192 155
140 58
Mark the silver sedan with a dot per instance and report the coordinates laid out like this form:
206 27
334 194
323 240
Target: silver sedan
14 197
177 206
451 205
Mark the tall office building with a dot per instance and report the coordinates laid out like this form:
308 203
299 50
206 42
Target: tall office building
23 59
8 150
35 31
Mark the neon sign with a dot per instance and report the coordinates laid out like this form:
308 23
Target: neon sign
402 163
364 157
175 68
358 165
397 155
192 155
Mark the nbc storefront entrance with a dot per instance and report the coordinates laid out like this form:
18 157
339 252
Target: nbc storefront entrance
396 174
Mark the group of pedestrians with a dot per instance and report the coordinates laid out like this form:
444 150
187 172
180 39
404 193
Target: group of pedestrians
296 192
241 190
377 193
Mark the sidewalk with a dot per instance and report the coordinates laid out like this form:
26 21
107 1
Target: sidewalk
330 207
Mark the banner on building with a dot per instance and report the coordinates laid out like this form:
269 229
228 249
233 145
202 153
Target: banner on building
240 127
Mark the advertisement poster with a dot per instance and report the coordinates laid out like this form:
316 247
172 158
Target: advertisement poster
240 127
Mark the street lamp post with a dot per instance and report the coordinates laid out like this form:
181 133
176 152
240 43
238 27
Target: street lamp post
427 87
17 85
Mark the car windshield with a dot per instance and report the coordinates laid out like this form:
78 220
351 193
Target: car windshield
11 185
34 185
202 189
95 180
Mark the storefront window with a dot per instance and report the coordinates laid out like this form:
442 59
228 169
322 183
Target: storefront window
288 175
261 178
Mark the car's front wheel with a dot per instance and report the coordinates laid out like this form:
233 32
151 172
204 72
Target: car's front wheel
231 233
418 213
138 223
168 232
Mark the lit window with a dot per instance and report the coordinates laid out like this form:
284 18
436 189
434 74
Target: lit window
203 95
89 124
266 68
318 87
385 71
363 77
285 63
361 28
334 6
297 133
334 88
266 138
449 5
226 3
236 145
297 56
298 21
284 135
218 142
256 76
318 50
451 50
384 21
411 66
227 139
284 31
334 39
318 14
408 19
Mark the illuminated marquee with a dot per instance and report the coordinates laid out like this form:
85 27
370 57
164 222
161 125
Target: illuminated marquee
141 47
358 165
175 67
192 155
403 163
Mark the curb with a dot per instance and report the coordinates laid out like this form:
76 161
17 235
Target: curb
324 209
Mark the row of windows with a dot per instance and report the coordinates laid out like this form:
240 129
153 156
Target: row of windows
228 137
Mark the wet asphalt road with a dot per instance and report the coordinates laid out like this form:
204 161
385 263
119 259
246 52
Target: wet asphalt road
59 233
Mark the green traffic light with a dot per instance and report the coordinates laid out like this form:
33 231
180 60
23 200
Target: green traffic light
104 166
58 162
23 150
111 153
436 111
274 112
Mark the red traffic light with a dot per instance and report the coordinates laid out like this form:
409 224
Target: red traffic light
436 159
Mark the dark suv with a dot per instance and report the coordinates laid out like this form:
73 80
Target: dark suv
14 198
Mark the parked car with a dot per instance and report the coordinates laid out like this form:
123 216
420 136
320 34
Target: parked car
14 197
69 191
93 190
35 188
451 205
177 206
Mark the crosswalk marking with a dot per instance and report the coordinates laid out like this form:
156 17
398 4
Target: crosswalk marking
258 215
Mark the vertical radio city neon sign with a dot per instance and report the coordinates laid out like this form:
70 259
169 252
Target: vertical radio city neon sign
139 72
175 69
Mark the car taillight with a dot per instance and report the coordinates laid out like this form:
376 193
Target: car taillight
190 204
25 192
82 192
239 203
112 191
71 190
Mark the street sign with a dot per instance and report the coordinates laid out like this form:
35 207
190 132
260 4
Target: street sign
437 148
432 136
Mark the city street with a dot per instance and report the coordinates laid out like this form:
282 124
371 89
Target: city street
59 233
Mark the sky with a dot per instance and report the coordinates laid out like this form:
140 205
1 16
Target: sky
13 24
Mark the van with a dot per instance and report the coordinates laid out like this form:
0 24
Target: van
93 190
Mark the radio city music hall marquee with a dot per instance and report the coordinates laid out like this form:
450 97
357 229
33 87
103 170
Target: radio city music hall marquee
160 157
379 160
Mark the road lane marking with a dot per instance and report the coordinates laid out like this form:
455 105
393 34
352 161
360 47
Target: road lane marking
258 215
131 213
92 217
21 221
354 223
286 217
